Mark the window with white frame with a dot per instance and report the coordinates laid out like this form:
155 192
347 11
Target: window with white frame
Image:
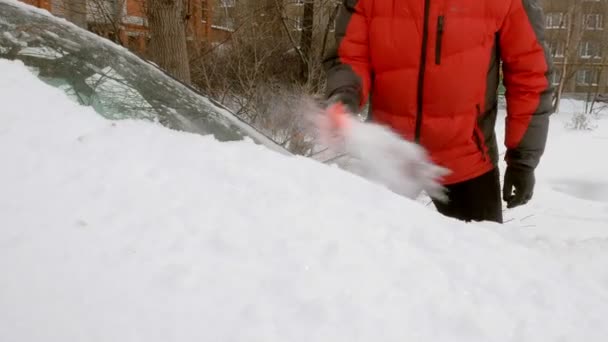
224 18
556 76
590 49
586 77
556 48
594 21
298 23
555 20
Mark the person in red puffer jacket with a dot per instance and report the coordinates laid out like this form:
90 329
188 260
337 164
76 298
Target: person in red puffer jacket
430 71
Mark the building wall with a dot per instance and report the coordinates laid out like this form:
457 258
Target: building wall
44 4
131 29
593 38
209 20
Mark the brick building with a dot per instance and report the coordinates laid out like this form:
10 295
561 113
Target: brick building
124 21
44 4
578 38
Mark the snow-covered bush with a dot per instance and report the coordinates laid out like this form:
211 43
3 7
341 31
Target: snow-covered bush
582 122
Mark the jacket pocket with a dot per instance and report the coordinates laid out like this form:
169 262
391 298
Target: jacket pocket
439 39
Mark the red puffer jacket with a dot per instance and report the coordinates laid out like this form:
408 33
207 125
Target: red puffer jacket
430 69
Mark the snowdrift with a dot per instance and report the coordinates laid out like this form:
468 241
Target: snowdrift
127 231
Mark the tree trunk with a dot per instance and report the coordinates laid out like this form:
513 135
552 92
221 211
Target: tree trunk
168 47
306 39
330 23
597 90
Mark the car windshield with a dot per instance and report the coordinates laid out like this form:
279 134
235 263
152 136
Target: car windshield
116 83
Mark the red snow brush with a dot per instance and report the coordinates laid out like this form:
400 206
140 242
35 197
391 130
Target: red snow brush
333 125
338 116
379 154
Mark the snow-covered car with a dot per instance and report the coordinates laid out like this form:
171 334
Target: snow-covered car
107 77
124 230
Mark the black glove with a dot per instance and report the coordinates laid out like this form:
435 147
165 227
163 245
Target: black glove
347 98
518 186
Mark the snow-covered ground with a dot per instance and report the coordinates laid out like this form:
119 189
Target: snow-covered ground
571 197
126 231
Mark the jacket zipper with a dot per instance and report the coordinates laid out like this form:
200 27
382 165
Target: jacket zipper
421 71
478 134
439 41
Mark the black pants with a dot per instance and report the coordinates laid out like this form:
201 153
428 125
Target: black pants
478 199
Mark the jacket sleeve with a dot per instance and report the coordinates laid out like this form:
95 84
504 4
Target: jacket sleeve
347 63
527 69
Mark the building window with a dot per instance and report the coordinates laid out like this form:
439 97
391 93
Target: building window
298 23
224 15
586 77
594 21
590 49
557 49
556 77
555 20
